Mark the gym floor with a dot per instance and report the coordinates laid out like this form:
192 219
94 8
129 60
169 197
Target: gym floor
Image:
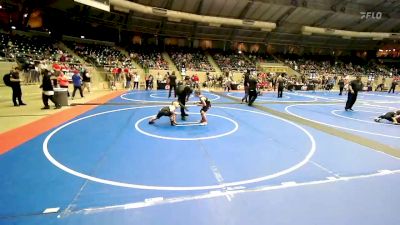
301 159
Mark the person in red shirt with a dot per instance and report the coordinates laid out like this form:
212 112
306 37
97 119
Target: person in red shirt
195 80
63 81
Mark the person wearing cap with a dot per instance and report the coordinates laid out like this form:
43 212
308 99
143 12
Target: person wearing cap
354 87
77 81
393 117
167 111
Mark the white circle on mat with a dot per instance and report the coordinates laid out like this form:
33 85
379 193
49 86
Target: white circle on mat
236 127
177 188
331 125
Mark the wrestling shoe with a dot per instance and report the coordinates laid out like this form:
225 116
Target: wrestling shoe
377 120
203 123
173 123
151 122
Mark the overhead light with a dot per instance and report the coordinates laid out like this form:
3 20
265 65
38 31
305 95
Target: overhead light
26 15
13 27
1 6
394 49
240 52
49 32
82 36
380 50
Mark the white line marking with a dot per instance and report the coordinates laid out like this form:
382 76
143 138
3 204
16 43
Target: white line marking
324 168
189 125
176 188
331 125
381 106
236 127
51 210
215 194
289 183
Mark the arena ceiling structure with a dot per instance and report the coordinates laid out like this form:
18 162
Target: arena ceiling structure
290 17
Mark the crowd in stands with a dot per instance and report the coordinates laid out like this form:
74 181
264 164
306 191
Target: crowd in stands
101 55
229 61
191 59
352 66
148 57
34 55
260 58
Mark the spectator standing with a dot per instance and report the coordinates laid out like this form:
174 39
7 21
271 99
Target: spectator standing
246 86
77 81
172 84
48 91
136 78
128 78
15 82
393 86
151 80
63 81
281 84
86 79
341 85
252 89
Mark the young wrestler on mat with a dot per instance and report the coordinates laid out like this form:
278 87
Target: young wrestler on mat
205 105
167 111
393 117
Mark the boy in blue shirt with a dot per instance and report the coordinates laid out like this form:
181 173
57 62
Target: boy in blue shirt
77 81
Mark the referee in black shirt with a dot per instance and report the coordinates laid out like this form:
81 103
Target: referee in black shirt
354 87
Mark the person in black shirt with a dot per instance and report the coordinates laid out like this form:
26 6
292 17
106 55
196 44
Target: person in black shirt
86 80
252 90
48 91
354 87
393 86
281 84
183 91
16 87
246 86
172 84
341 85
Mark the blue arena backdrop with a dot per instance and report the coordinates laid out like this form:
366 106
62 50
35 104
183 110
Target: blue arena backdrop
99 4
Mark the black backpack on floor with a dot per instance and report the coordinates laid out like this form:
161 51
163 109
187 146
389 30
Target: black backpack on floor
7 79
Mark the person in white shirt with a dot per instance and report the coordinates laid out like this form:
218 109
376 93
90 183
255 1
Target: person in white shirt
136 79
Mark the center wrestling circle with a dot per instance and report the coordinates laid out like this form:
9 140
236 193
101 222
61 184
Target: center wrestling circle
291 168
